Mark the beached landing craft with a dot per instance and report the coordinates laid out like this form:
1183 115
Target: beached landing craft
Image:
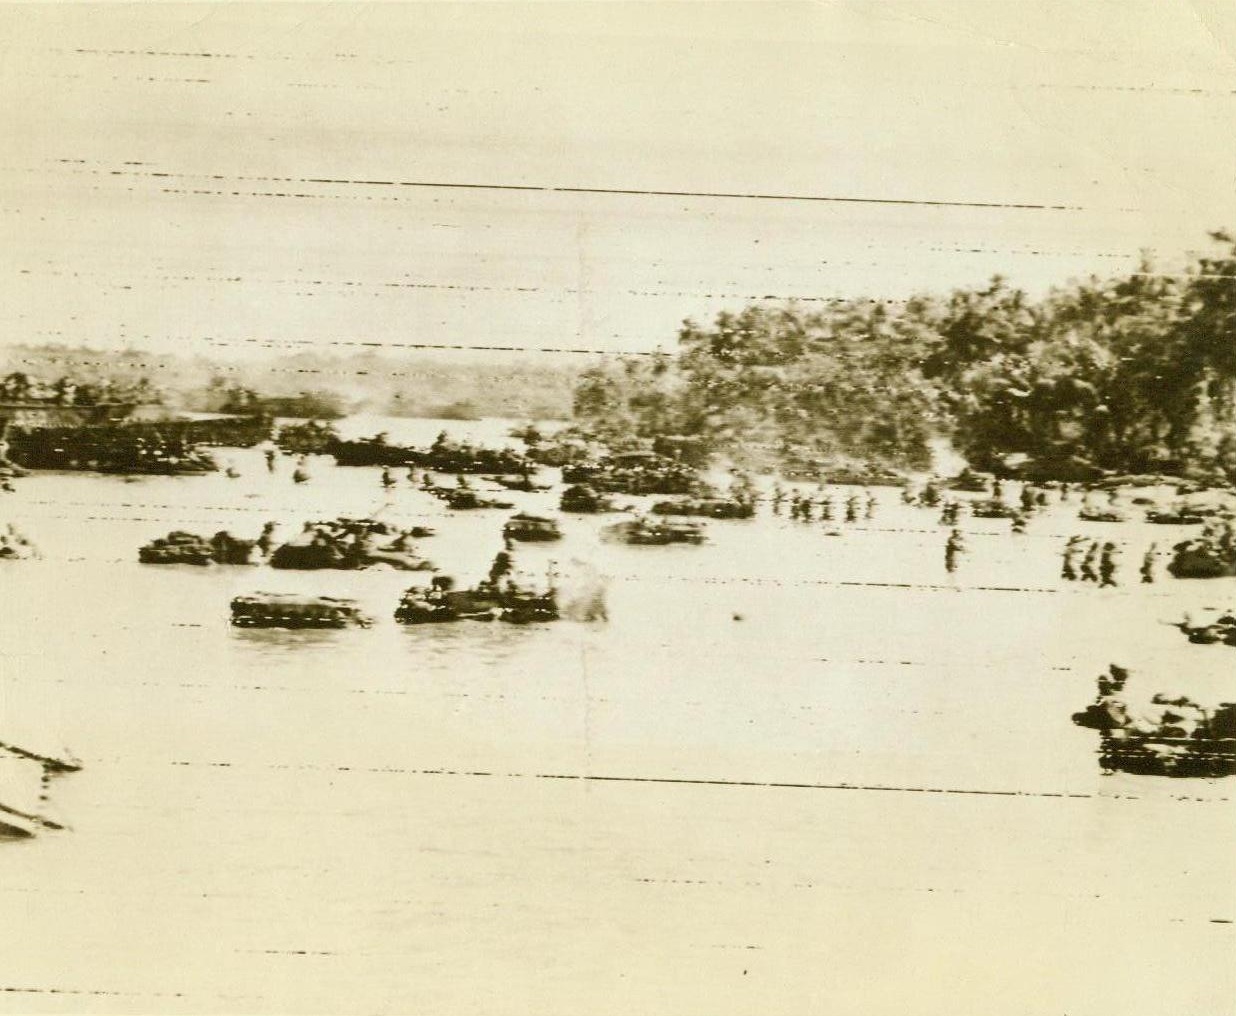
654 533
448 456
531 528
641 472
993 508
800 467
524 483
308 438
369 451
1209 556
582 499
1174 517
282 610
463 499
351 544
443 456
971 481
133 449
487 602
1092 514
562 450
1162 737
1182 513
179 547
707 507
1214 627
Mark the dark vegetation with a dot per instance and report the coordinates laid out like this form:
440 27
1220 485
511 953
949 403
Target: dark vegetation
1135 374
1129 375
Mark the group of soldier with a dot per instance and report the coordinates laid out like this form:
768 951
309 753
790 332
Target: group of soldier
803 507
1099 562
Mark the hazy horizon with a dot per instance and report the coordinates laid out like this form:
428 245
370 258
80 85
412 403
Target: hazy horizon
224 178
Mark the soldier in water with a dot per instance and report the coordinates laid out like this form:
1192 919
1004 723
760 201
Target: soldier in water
1019 523
952 550
1088 574
1149 562
1113 681
1068 569
851 508
1107 564
826 509
869 508
266 541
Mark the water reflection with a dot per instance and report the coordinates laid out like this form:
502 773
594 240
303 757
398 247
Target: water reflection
279 641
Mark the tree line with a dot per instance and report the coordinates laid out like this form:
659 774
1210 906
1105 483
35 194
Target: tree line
1131 374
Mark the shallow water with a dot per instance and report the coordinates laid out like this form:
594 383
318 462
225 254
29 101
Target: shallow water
793 772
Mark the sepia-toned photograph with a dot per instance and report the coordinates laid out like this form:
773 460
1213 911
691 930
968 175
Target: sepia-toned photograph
618 508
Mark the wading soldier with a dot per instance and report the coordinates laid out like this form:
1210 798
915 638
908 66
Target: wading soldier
266 542
1148 563
1068 570
1107 565
1088 574
778 498
952 550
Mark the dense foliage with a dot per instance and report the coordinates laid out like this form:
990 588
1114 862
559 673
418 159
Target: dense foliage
1130 374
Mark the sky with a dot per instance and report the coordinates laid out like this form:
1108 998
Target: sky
233 178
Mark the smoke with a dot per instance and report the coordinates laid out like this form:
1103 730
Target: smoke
581 592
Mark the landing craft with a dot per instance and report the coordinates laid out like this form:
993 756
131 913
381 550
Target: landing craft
282 610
